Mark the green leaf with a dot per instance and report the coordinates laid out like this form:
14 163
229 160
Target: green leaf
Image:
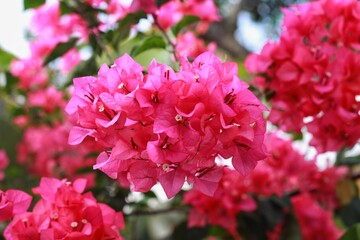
291 229
10 82
60 50
352 234
350 214
187 20
272 210
351 160
33 3
182 231
123 29
149 43
5 59
86 68
65 8
159 3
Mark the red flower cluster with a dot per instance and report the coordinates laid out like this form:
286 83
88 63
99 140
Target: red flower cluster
169 126
315 222
231 197
277 175
313 72
63 212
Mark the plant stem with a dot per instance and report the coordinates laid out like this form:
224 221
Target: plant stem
166 37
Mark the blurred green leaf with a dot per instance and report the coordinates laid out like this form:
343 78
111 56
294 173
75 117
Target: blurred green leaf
65 8
291 229
85 68
351 160
33 3
272 209
187 20
10 82
352 234
243 74
159 3
5 59
182 231
350 214
161 56
60 50
123 29
149 43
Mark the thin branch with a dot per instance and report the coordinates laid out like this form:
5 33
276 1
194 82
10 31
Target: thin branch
222 33
159 211
164 33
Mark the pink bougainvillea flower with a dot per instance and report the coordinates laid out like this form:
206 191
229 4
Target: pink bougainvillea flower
170 124
64 212
13 202
312 72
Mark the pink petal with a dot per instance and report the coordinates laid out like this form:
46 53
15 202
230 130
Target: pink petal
20 199
172 182
48 188
78 134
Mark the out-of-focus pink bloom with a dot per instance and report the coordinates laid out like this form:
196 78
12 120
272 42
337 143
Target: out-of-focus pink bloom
44 150
69 60
29 71
230 198
312 72
315 222
188 45
64 212
48 99
277 175
148 6
172 12
13 202
4 161
21 121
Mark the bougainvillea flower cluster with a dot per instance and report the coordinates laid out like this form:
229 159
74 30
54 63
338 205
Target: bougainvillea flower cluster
64 212
46 153
169 126
312 72
231 197
278 175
